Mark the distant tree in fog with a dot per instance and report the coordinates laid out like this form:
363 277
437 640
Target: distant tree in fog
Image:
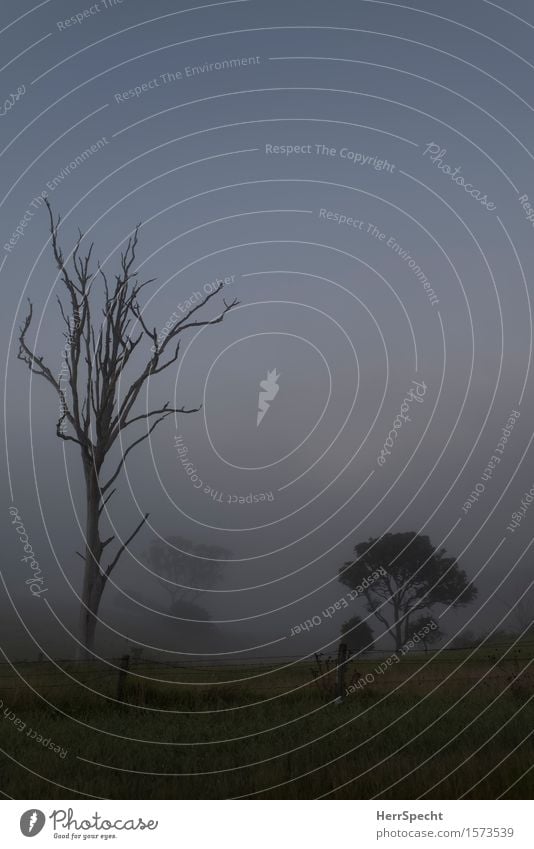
185 569
464 640
358 636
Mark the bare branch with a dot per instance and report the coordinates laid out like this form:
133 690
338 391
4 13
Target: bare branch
169 362
227 308
183 322
153 366
105 501
125 545
165 409
65 436
130 448
26 355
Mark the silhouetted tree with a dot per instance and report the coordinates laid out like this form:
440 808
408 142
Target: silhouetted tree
404 573
93 414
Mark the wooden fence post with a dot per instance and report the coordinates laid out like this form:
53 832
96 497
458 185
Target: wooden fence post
342 653
121 681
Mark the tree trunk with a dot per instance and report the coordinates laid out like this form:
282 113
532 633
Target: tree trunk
398 628
407 628
94 580
93 587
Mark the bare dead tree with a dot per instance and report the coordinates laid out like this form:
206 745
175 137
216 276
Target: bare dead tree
92 412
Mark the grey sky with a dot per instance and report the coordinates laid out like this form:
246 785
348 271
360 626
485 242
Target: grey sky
359 90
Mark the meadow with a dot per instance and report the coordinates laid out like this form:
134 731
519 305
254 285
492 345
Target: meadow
443 725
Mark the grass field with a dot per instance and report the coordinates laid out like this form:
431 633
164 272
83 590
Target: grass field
447 726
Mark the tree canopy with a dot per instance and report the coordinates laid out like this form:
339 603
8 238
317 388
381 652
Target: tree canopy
403 577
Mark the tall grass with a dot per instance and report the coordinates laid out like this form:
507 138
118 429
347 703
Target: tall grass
249 731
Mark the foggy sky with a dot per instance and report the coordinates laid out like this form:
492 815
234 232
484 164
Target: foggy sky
335 309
